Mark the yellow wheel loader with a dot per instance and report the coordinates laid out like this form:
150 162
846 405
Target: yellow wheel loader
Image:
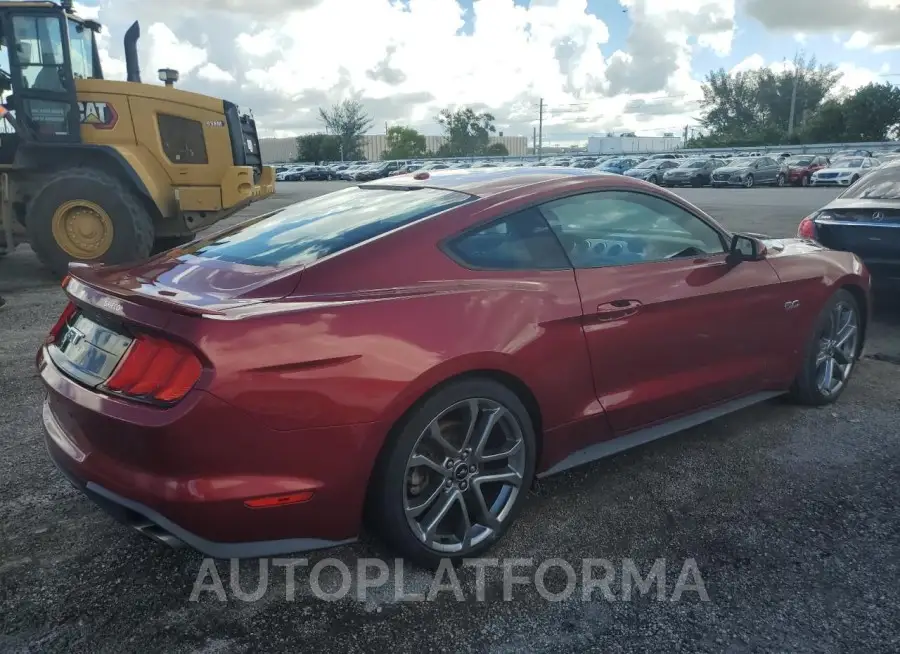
98 170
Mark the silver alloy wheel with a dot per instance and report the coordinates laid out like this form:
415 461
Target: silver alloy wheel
780 179
837 349
464 475
748 183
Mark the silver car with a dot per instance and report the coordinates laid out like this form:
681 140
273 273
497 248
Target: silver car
751 171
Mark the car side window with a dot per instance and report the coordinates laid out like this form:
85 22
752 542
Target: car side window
611 228
520 241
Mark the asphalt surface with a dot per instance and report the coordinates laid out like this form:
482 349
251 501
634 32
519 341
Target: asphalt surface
790 515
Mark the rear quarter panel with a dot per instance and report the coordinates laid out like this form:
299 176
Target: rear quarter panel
371 330
811 274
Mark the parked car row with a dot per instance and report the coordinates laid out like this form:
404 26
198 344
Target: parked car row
666 169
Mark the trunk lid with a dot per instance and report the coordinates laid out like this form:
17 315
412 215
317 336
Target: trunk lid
868 228
190 284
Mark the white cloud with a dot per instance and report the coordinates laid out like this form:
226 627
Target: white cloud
853 77
410 58
753 62
877 22
213 73
167 51
858 40
407 59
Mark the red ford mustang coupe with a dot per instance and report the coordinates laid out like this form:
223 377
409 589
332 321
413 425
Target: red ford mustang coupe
415 350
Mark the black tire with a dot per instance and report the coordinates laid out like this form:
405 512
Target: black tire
748 183
302 178
805 389
164 243
653 179
385 510
132 222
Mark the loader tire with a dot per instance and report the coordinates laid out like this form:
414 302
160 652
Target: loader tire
80 214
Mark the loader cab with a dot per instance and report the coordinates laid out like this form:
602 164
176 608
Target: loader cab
44 50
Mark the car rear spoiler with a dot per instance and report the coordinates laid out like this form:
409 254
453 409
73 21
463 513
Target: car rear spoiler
83 287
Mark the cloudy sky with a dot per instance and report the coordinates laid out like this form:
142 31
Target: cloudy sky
599 65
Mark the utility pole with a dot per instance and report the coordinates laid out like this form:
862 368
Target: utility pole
685 139
534 141
793 99
541 129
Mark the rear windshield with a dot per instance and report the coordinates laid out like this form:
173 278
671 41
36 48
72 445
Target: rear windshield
310 230
880 184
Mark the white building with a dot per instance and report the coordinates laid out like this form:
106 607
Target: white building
633 144
285 149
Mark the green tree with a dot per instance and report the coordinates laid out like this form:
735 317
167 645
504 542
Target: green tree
348 121
467 133
318 147
826 124
404 143
754 107
496 150
872 112
775 90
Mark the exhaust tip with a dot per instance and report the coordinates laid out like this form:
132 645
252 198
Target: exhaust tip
158 534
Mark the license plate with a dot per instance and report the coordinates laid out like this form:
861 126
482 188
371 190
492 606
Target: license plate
87 350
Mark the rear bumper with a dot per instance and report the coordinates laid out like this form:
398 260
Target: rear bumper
152 524
180 482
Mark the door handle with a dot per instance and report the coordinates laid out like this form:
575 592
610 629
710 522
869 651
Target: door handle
618 309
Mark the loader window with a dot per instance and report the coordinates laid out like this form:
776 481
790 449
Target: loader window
182 139
39 51
81 50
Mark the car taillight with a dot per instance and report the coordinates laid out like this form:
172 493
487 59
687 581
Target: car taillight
60 323
807 229
157 369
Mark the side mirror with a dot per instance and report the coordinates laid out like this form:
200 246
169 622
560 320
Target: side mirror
745 248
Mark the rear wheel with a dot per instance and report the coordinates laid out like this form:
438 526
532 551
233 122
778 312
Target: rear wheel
87 215
748 183
831 352
779 181
653 179
455 476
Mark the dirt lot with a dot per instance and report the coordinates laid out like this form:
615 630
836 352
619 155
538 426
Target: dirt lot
790 514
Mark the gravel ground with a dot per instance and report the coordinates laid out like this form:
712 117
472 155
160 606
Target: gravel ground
789 514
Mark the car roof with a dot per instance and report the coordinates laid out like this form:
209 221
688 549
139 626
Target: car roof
485 182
